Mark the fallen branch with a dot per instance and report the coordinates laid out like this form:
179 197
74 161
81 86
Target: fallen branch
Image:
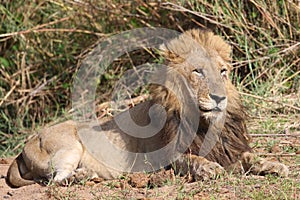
71 30
128 102
9 93
275 135
277 154
269 100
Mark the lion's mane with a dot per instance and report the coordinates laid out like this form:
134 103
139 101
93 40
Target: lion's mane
234 138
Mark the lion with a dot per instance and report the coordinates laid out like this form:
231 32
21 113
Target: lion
214 117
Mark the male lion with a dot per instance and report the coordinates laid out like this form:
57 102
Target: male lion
220 142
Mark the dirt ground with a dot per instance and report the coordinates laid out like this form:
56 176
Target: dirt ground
165 185
133 187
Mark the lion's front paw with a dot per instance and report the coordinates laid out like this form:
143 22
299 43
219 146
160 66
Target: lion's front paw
198 167
207 170
261 166
269 167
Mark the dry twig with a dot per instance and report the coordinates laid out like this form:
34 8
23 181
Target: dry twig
270 100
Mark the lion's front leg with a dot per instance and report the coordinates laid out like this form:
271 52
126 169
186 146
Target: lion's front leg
198 167
261 166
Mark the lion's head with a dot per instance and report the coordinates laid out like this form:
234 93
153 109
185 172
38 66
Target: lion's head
202 58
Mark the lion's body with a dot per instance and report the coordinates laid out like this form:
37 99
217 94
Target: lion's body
201 58
56 152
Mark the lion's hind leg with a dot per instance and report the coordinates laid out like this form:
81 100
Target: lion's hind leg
260 166
65 162
198 167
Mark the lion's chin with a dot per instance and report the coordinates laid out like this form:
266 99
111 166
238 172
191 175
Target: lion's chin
212 113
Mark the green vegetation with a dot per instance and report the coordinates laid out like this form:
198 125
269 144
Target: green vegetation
42 44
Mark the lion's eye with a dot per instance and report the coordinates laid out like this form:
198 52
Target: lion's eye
198 72
224 72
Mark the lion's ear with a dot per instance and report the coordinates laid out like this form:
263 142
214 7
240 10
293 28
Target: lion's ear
170 56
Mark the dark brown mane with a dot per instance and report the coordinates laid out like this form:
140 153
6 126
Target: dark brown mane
233 138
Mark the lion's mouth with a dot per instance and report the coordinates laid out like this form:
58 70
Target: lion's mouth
215 109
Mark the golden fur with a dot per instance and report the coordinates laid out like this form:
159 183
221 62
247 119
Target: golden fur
202 59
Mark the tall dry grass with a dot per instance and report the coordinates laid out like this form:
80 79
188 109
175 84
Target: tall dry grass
43 42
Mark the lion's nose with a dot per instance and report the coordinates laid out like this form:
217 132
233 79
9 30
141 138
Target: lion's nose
217 98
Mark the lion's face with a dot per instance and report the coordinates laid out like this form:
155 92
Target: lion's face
207 75
202 58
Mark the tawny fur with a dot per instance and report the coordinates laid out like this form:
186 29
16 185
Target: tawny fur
202 59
